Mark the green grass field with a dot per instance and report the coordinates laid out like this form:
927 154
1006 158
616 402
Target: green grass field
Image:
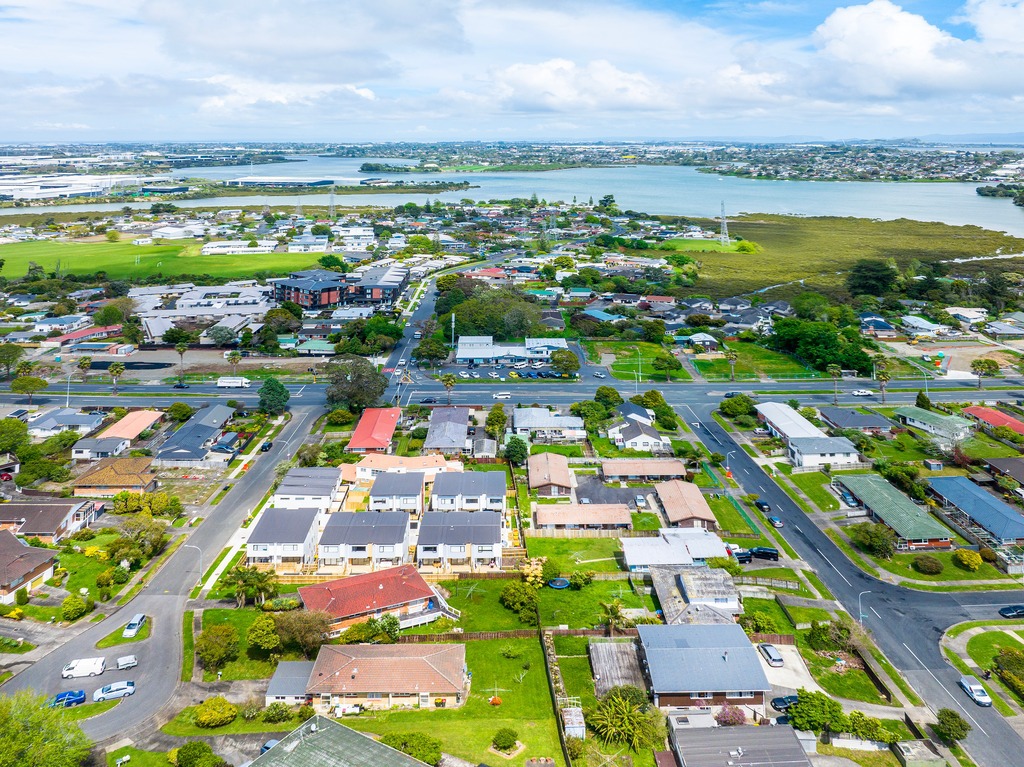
138 758
570 451
117 259
597 554
983 648
582 609
813 486
479 605
250 664
901 564
753 361
625 366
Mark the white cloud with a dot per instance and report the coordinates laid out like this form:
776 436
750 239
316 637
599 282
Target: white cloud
560 85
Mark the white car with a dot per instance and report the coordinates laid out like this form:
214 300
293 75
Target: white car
114 691
502 395
492 374
463 374
862 392
600 375
474 374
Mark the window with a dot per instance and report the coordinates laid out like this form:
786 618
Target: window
457 549
358 549
429 549
385 549
741 694
291 547
374 696
698 695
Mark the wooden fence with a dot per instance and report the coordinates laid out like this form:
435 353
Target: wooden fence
785 639
775 583
471 636
534 532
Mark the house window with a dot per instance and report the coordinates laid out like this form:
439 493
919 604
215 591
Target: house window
741 694
385 549
457 549
374 695
358 549
291 547
699 695
484 549
429 549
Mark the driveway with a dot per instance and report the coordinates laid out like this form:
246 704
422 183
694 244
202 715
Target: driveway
790 677
590 486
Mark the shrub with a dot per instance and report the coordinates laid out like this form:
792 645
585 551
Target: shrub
415 744
214 712
758 622
121 575
730 715
579 579
306 712
172 756
340 417
575 748
511 652
277 712
728 564
927 564
105 578
104 595
951 726
72 608
967 559
505 739
631 694
21 596
280 604
195 753
85 534
251 709
988 555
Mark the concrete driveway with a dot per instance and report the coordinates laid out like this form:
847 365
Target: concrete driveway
590 486
790 677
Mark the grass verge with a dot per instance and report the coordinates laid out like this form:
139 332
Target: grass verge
114 638
188 646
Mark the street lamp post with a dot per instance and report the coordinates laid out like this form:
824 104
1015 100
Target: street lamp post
190 546
731 452
67 399
636 380
925 375
860 612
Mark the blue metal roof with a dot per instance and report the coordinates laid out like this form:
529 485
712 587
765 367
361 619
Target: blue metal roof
985 510
701 658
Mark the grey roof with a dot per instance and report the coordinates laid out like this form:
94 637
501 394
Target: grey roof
290 678
636 429
99 444
283 525
702 658
845 418
460 527
322 742
984 509
361 529
542 418
309 481
66 417
631 410
448 429
391 483
823 445
470 483
187 443
740 747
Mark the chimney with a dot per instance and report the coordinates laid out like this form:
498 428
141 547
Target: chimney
725 657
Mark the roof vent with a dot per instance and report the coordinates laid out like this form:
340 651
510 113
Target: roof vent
725 656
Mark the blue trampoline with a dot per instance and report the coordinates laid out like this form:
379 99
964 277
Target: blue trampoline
559 583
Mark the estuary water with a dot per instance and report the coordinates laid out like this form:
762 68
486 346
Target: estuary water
672 190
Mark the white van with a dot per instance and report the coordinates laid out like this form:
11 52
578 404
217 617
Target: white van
84 667
502 395
521 366
134 626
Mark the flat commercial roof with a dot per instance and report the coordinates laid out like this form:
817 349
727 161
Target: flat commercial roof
787 421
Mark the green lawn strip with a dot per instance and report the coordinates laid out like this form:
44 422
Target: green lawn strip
753 361
813 486
209 571
777 536
782 574
849 551
87 710
41 613
250 664
901 448
749 450
188 646
983 649
181 726
960 628
961 756
862 758
896 677
114 638
728 516
479 605
625 367
602 555
4 676
220 496
222 589
570 451
579 680
138 758
11 647
582 609
800 502
770 606
570 645
901 564
466 731
819 586
898 728
809 614
646 520
998 703
981 446
722 422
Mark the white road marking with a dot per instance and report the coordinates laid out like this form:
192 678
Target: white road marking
872 609
797 529
959 705
833 566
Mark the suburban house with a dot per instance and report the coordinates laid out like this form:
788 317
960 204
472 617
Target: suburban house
685 546
784 422
630 411
972 506
642 469
710 746
847 418
448 431
822 451
549 475
375 540
284 540
372 464
993 419
399 591
685 505
946 428
914 527
397 492
483 349
637 435
469 491
22 566
460 539
94 448
288 684
375 430
49 521
543 425
695 594
1007 467
309 487
325 743
116 475
583 516
190 444
49 423
385 676
704 666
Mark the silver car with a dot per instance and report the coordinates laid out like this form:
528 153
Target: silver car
114 691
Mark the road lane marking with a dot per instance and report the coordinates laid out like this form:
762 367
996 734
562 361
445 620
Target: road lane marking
797 529
872 609
832 566
959 705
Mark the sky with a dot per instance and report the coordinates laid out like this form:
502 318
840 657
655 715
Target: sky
450 70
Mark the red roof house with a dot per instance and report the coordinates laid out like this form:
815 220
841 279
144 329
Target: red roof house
994 418
375 430
83 334
399 591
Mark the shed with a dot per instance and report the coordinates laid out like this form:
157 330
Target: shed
572 721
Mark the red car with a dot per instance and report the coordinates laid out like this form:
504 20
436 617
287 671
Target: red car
5 477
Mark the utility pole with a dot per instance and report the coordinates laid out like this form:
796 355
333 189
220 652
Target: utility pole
723 237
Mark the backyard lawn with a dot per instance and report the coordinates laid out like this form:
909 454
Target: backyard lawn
753 361
479 605
82 570
466 732
602 555
982 446
582 609
249 664
728 516
570 451
646 520
813 485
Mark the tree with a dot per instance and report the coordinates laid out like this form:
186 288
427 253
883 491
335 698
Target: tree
176 336
967 559
666 363
496 420
516 451
505 739
181 348
84 364
608 397
871 277
836 372
446 282
737 406
262 634
731 358
115 370
28 385
13 434
613 616
984 366
306 629
32 734
950 726
923 401
252 582
816 711
293 308
564 362
274 397
431 351
875 538
415 744
353 382
107 316
233 358
448 381
9 356
728 716
180 412
217 645
883 377
221 336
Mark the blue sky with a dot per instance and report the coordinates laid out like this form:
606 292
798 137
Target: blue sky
323 70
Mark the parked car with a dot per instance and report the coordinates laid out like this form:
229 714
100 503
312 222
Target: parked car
763 506
114 691
84 667
599 374
775 522
771 654
975 690
764 552
266 447
474 374
66 699
134 626
6 477
785 702
743 556
492 374
513 374
463 374
731 394
862 392
641 502
1013 611
126 662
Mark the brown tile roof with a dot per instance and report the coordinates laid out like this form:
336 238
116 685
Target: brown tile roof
583 514
17 560
132 425
399 669
363 593
549 469
643 467
118 472
683 501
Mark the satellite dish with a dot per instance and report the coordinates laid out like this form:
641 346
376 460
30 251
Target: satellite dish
312 727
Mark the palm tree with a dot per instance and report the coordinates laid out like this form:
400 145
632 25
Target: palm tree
116 370
879 362
234 357
884 377
836 372
242 579
83 366
264 585
448 381
613 617
24 368
181 349
731 358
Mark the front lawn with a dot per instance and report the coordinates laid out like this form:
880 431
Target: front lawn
605 448
728 516
138 758
981 446
570 451
983 648
82 570
901 448
901 564
813 484
602 555
646 520
182 726
582 609
249 664
114 638
466 732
